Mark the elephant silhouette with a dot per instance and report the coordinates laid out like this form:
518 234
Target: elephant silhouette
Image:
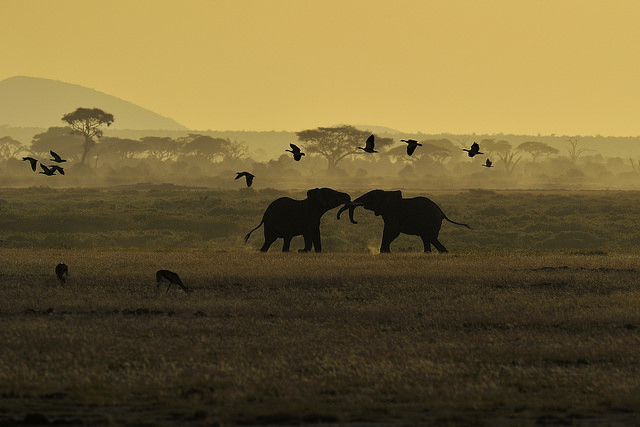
416 216
286 217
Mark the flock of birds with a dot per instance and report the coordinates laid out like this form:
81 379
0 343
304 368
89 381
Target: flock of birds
369 147
47 170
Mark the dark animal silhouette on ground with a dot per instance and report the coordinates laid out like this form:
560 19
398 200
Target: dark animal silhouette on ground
369 145
31 160
417 216
488 164
166 276
62 272
412 144
249 177
475 149
286 217
46 170
295 150
56 157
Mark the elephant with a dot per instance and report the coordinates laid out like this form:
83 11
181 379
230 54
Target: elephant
286 217
417 216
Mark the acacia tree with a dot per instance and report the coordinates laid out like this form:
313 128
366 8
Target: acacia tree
162 148
205 146
537 149
87 122
62 140
574 151
503 150
123 148
336 143
10 148
436 150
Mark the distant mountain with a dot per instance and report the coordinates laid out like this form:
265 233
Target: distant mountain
378 129
36 102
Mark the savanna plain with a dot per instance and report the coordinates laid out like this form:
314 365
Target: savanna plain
532 318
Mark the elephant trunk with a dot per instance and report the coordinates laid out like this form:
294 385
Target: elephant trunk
352 207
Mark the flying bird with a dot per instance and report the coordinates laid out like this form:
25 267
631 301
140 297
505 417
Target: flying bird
488 164
31 160
412 144
56 157
62 272
247 175
475 149
166 276
295 150
368 148
46 170
58 169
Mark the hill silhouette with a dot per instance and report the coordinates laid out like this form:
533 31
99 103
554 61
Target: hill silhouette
38 102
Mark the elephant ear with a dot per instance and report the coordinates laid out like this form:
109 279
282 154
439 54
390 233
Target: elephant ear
390 201
316 195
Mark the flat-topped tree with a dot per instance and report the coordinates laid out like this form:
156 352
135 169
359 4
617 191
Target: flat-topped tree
336 143
88 122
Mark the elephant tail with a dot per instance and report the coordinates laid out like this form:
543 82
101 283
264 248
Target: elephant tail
246 238
456 223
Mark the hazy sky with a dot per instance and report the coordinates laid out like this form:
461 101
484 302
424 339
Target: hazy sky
539 66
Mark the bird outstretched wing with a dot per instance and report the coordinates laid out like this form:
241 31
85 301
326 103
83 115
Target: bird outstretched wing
370 142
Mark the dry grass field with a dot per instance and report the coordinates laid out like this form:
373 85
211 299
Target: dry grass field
496 338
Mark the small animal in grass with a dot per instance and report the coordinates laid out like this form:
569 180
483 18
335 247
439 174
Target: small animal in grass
248 176
166 276
31 160
62 273
56 157
475 149
488 164
295 150
412 144
369 145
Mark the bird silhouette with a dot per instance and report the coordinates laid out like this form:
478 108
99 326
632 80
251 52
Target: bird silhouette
295 150
56 157
62 272
249 177
488 164
412 144
475 149
31 160
368 148
46 170
166 276
58 169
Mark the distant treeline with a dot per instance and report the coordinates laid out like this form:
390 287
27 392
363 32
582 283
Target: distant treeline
211 158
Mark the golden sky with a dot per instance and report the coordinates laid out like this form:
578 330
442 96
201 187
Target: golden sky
540 66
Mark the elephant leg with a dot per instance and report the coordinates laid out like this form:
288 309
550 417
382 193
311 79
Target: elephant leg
389 234
317 244
287 243
426 243
268 241
439 246
308 242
